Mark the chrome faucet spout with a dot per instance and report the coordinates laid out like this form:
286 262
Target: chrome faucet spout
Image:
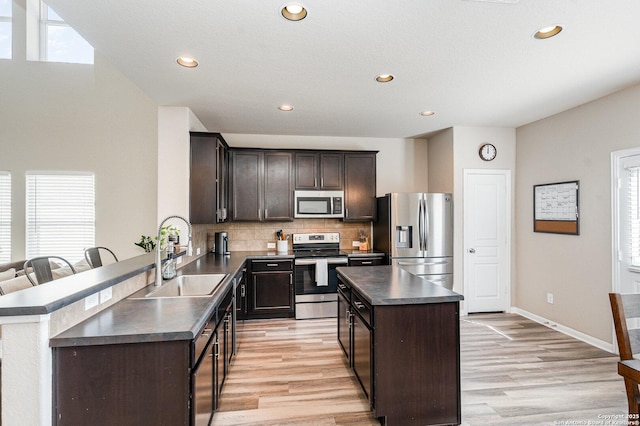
158 257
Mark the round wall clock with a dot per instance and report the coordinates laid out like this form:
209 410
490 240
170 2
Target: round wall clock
487 152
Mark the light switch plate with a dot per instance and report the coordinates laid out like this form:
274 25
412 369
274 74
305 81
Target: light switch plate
355 243
271 245
550 298
198 251
178 260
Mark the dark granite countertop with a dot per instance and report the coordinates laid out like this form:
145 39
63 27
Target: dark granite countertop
51 296
390 285
137 319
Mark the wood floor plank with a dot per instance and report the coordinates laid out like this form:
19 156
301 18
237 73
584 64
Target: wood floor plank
514 372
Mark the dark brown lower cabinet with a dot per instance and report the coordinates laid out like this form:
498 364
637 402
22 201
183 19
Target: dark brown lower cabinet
128 384
271 289
406 358
168 383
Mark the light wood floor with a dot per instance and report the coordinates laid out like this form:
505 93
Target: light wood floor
514 372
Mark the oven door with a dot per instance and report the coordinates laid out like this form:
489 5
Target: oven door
307 275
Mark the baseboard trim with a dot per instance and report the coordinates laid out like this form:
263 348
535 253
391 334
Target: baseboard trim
601 344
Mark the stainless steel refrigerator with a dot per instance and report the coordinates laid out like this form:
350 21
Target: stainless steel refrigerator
415 230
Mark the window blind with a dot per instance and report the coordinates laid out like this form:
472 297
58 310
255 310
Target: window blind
634 215
60 214
5 217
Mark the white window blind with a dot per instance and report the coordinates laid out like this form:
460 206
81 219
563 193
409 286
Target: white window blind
634 215
60 214
5 217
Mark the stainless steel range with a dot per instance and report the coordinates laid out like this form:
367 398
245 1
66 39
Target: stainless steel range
316 258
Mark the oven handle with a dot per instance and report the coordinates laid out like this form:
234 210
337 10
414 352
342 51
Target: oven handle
330 261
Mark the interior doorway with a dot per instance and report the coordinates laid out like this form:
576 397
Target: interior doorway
487 240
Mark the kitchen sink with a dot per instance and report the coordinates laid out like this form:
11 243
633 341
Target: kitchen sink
189 286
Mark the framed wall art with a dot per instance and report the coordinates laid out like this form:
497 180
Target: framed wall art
556 208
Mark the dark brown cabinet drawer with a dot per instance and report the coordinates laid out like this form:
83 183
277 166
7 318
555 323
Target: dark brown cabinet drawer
271 265
361 307
365 261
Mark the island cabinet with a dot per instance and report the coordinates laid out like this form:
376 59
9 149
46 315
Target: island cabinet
262 185
143 381
360 186
405 355
323 171
271 289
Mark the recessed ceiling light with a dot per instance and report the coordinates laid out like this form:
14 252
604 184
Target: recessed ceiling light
427 113
187 62
547 32
294 12
285 108
384 78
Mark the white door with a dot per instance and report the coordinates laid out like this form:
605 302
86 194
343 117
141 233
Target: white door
626 221
487 224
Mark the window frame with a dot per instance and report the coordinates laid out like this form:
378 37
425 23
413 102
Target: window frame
9 19
44 24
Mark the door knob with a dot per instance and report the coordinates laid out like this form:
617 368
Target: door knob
472 250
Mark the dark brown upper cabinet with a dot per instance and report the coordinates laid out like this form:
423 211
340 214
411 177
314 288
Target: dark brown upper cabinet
319 171
208 178
262 185
360 186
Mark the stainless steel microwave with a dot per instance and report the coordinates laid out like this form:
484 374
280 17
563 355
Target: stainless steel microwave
319 204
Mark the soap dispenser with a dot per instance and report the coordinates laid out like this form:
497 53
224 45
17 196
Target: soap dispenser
169 267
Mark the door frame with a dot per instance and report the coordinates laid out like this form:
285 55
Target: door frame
508 215
616 161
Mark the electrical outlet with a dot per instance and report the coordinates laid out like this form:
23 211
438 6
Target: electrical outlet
91 301
271 245
550 298
355 243
178 260
106 294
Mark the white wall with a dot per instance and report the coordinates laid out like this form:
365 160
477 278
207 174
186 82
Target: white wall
440 165
56 116
401 163
573 145
466 143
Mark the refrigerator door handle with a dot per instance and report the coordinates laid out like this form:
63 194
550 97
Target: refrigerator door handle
426 226
420 225
422 263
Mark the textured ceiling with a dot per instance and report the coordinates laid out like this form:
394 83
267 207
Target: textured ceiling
475 63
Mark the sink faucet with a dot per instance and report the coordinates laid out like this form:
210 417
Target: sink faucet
158 258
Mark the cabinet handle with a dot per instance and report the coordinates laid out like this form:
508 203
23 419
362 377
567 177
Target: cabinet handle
315 182
259 214
217 348
272 265
347 318
342 286
359 305
242 291
322 182
266 214
367 263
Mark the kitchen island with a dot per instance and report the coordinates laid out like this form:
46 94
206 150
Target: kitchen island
94 308
401 336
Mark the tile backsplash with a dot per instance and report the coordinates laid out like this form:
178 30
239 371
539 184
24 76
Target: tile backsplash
248 236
